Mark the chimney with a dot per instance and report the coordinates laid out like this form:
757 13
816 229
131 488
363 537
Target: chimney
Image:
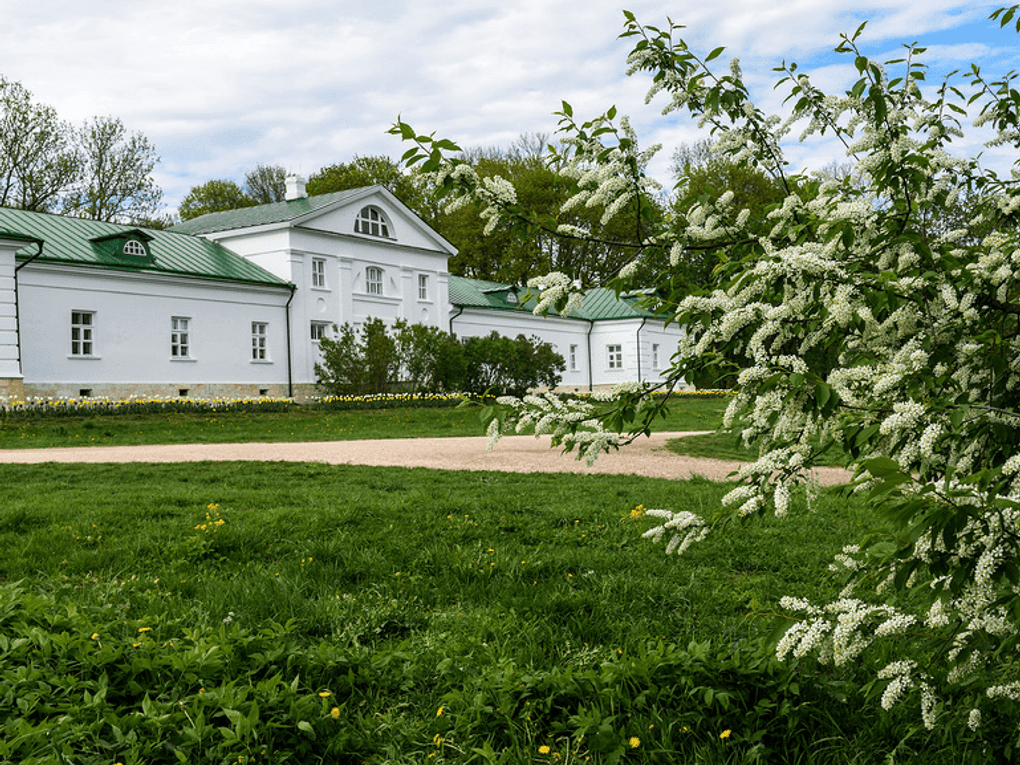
295 187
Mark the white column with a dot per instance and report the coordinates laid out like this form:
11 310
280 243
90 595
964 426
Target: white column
10 364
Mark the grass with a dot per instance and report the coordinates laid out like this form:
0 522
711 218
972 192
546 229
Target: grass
301 424
307 613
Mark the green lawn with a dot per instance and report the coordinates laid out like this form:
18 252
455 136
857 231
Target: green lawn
222 612
300 424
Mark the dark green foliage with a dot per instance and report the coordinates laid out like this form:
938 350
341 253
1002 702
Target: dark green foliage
213 196
418 358
501 365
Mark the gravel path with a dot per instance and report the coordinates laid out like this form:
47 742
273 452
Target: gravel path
519 454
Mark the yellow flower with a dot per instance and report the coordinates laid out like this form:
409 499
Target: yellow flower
725 734
145 629
439 712
95 636
335 713
325 694
634 742
543 749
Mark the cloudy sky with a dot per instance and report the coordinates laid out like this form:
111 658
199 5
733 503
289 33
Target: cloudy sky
221 85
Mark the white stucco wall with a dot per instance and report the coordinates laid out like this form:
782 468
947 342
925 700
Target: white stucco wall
412 250
132 314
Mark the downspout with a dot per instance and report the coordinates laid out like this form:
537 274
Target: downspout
454 317
17 308
290 372
591 378
643 322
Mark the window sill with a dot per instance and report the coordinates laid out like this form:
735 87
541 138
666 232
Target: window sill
261 361
83 357
183 358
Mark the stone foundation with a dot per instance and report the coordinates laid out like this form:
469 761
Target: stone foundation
12 389
121 391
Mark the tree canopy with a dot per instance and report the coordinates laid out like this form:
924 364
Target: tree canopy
99 171
213 196
863 320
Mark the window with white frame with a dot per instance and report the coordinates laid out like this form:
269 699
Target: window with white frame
374 280
320 329
82 337
259 341
423 287
655 355
134 248
318 272
615 356
573 358
372 221
180 337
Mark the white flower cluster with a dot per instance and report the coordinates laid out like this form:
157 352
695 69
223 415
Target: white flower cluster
554 287
572 422
685 528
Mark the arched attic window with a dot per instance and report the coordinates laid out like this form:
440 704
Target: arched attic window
373 222
134 248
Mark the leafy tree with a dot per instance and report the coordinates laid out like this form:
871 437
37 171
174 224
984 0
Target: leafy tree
369 171
266 184
116 174
99 172
505 251
421 358
213 196
922 389
38 156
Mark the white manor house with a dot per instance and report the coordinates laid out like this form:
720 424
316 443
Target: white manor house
233 304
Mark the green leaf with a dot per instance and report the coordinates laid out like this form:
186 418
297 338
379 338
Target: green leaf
881 466
306 726
714 54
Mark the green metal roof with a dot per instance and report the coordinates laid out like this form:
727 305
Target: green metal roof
599 304
261 215
96 244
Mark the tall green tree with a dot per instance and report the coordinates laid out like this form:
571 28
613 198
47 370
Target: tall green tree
115 182
39 158
266 184
591 252
213 196
370 171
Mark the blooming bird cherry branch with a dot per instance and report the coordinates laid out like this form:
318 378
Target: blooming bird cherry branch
874 313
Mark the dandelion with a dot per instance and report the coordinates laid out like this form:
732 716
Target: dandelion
95 636
543 749
325 694
335 713
725 733
439 712
145 629
634 742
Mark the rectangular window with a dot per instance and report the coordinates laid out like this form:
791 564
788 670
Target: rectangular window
82 338
373 281
573 358
423 287
615 353
655 355
318 272
180 338
259 349
319 330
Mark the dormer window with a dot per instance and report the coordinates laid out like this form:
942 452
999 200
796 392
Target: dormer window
135 249
128 247
372 221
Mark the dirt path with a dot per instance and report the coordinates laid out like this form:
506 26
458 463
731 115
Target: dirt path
519 454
